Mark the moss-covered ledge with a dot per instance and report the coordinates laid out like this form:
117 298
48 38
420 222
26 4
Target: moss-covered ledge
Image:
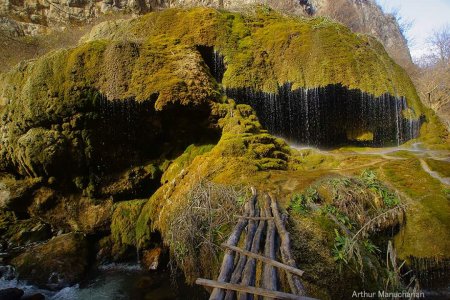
264 49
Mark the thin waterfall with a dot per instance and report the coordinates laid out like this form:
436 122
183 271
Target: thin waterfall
331 115
323 116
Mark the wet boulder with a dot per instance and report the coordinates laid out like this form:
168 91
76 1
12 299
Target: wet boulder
58 263
15 194
138 182
71 212
123 227
25 232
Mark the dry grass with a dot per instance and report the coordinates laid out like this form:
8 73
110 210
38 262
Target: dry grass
201 224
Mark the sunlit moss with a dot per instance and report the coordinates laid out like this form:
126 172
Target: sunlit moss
123 222
264 49
428 218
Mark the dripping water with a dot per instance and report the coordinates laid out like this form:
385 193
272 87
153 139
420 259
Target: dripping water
331 116
214 60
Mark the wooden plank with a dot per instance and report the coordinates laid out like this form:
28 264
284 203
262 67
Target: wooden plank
249 273
270 273
242 261
265 259
254 218
285 249
250 290
226 269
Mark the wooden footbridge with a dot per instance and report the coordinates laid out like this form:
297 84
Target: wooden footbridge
253 270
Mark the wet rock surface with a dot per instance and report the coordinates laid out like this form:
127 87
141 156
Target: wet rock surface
15 194
60 262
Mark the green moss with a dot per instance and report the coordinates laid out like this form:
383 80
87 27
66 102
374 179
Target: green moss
433 133
265 49
123 224
308 159
428 217
184 160
440 166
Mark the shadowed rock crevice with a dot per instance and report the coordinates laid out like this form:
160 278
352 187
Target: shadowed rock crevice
332 116
214 60
103 136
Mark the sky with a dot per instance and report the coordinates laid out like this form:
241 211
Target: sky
426 16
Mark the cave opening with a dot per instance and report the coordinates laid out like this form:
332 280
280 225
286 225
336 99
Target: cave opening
331 116
138 133
214 60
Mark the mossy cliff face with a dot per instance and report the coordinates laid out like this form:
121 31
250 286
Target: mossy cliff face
52 106
65 108
264 49
134 112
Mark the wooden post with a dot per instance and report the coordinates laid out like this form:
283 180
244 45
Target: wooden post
285 249
269 273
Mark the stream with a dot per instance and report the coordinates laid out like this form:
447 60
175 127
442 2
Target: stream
115 281
387 153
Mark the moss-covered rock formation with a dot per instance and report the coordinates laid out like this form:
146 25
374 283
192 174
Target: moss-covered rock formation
56 107
264 49
138 111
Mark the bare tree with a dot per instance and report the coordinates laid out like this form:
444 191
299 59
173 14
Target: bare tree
440 42
433 80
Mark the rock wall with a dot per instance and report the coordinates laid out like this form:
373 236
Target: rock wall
31 17
367 17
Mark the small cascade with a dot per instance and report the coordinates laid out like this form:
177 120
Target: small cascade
138 256
214 60
125 126
331 116
218 66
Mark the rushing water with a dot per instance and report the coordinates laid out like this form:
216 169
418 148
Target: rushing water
115 281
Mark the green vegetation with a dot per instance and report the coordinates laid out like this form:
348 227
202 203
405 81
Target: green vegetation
440 166
300 203
264 49
123 223
429 220
390 199
354 208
